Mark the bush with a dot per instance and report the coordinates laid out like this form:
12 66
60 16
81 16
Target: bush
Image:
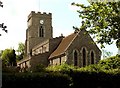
105 74
110 63
39 68
65 68
35 80
58 79
11 69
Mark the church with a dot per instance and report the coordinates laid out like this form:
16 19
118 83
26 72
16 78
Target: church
77 49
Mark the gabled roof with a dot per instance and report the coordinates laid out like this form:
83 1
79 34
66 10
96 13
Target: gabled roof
65 43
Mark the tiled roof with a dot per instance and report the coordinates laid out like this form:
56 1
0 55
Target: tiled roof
63 45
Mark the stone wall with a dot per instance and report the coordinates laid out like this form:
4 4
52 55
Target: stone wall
59 60
39 59
41 48
54 43
83 40
32 33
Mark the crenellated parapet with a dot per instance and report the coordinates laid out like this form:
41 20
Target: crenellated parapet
39 14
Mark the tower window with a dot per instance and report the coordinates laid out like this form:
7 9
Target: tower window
41 32
84 57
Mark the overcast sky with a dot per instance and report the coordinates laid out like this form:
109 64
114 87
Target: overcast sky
14 15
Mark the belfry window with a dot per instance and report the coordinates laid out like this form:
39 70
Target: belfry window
75 58
92 57
84 57
41 32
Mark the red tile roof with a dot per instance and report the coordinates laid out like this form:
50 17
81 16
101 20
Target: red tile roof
63 45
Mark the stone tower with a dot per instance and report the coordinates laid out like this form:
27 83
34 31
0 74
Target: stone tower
39 29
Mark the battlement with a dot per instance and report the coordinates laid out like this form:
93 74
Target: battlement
33 13
43 13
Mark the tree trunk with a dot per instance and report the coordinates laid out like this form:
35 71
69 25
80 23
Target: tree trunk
118 51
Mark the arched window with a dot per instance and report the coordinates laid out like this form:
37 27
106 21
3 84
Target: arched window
41 32
92 57
75 58
84 57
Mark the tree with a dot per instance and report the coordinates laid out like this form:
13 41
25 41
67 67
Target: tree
1 51
106 54
2 25
21 51
110 63
9 57
102 20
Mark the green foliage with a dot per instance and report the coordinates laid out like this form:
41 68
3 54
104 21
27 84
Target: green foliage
77 79
104 74
21 51
39 68
36 80
83 79
110 63
10 69
106 54
1 51
21 47
102 20
91 68
61 68
9 57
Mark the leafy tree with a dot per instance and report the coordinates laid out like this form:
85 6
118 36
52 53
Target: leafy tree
21 51
106 54
110 63
9 57
102 20
1 51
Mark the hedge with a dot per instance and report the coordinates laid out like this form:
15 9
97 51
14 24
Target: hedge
74 79
35 80
95 80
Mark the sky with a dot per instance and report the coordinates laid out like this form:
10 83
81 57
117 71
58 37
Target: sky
14 15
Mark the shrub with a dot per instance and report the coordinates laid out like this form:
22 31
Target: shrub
82 79
64 68
10 69
39 68
110 63
35 80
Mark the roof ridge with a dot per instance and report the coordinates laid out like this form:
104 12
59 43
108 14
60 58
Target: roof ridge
65 43
72 40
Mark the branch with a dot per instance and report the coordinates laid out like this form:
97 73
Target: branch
2 25
1 4
3 28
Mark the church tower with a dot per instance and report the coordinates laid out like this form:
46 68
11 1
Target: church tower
39 29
